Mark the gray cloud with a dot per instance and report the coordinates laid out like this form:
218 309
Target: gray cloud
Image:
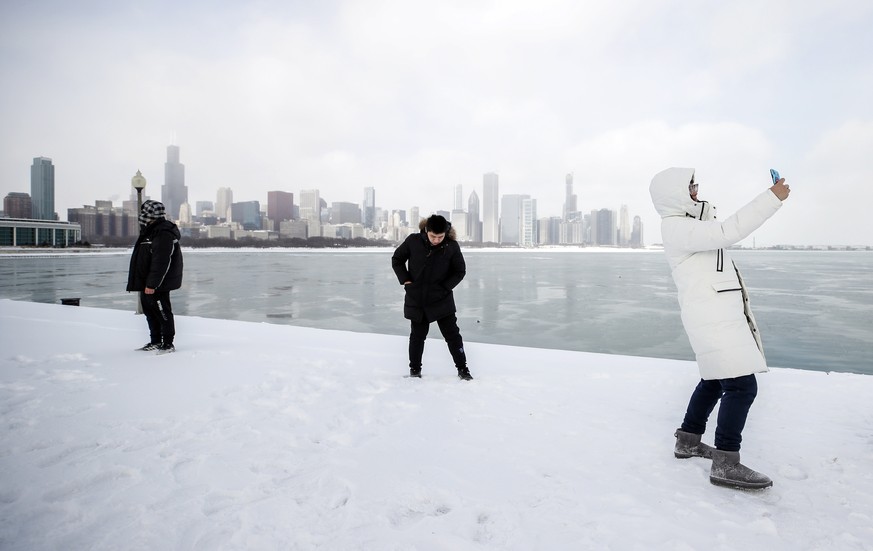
415 97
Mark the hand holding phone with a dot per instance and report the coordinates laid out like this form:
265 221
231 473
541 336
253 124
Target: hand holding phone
780 190
774 174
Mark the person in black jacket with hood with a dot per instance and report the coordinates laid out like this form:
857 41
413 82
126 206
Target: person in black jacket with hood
155 270
429 265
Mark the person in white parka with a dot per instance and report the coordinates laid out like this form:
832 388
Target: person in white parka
716 315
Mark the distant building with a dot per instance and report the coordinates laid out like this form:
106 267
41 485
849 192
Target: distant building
606 227
345 213
42 189
490 213
460 223
174 192
549 230
511 218
474 224
636 239
104 220
204 206
294 228
186 217
219 231
624 227
571 233
20 232
310 205
280 207
18 205
528 222
571 211
343 231
224 199
247 214
368 208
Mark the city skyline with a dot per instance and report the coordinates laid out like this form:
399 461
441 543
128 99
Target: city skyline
415 98
518 221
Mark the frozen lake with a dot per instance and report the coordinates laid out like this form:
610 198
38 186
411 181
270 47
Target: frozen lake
815 308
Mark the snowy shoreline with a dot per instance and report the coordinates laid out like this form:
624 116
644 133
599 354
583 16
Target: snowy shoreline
259 436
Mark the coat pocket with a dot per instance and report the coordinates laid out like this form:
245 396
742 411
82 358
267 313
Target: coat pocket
726 286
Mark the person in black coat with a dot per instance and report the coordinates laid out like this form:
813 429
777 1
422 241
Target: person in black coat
429 265
155 270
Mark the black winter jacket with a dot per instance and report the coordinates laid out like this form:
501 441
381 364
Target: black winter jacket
433 271
156 261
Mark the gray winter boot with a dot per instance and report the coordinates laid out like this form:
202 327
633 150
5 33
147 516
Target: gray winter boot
688 445
728 471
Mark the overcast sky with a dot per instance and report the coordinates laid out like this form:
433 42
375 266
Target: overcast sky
414 97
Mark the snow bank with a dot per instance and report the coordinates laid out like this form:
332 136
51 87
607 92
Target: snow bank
258 436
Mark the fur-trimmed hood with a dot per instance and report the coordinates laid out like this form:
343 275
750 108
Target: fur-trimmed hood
449 234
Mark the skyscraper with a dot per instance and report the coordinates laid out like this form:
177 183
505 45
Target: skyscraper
174 192
570 207
637 233
490 213
280 207
512 219
459 197
247 214
342 212
42 188
624 228
223 201
368 208
473 220
528 228
310 205
606 227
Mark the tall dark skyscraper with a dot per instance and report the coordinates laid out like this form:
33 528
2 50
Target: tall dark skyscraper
42 188
570 209
174 192
368 208
280 207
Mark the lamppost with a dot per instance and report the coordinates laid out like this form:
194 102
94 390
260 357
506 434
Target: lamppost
138 182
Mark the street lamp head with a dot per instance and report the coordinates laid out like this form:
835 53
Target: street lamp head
138 182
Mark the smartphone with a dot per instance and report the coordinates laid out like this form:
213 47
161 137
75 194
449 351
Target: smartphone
774 174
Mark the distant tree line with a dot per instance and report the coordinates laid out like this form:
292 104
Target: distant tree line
250 242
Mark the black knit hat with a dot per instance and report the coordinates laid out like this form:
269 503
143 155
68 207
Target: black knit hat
151 211
437 224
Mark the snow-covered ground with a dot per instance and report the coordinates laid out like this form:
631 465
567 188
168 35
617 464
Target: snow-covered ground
257 436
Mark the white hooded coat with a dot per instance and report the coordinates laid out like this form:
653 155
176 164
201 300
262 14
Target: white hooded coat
712 296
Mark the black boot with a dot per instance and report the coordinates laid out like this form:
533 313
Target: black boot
464 373
415 372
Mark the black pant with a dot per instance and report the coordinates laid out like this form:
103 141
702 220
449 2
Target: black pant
449 328
736 397
159 315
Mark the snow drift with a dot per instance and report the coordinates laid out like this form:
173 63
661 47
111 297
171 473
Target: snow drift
257 436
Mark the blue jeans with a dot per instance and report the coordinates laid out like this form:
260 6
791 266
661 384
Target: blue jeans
736 397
